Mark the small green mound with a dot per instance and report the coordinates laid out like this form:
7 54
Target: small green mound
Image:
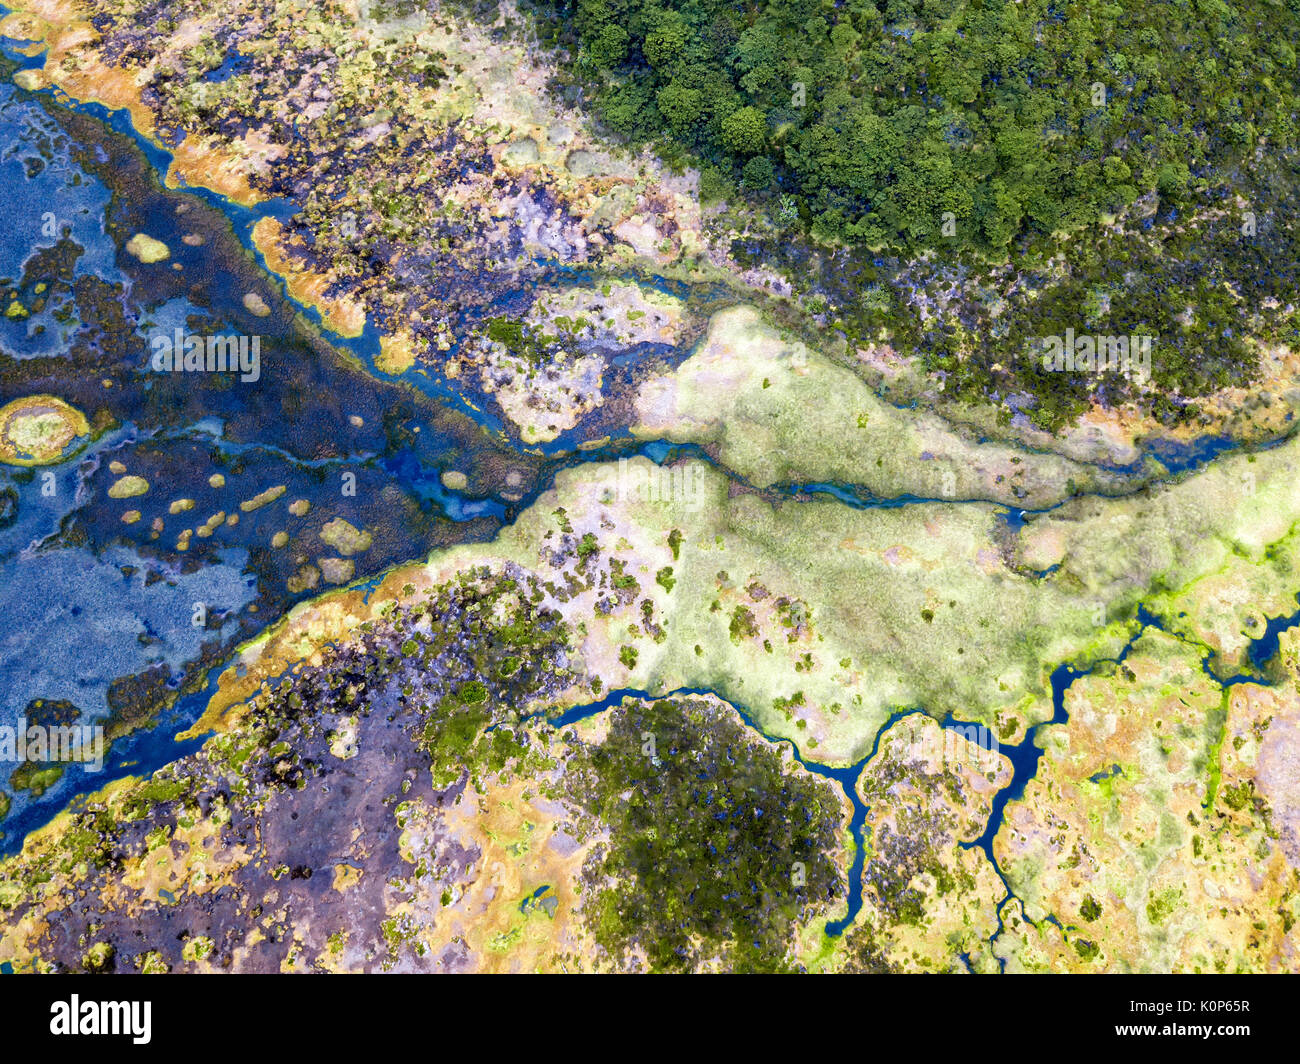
717 849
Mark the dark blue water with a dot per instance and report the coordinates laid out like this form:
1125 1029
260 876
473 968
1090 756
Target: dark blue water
138 754
860 498
533 898
1179 456
1264 649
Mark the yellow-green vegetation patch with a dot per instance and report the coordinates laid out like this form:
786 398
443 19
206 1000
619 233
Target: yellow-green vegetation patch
262 498
822 620
213 522
336 570
128 487
1217 550
39 430
616 314
256 305
396 354
783 413
1149 834
345 537
147 249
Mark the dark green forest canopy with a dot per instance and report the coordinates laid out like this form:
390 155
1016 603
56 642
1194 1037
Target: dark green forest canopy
1129 137
707 829
1015 117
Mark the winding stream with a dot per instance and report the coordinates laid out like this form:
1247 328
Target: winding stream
143 752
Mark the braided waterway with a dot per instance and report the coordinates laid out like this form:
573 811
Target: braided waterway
416 472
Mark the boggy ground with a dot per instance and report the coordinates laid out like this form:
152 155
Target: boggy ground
436 183
1161 779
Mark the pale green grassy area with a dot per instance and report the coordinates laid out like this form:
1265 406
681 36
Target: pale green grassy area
783 413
